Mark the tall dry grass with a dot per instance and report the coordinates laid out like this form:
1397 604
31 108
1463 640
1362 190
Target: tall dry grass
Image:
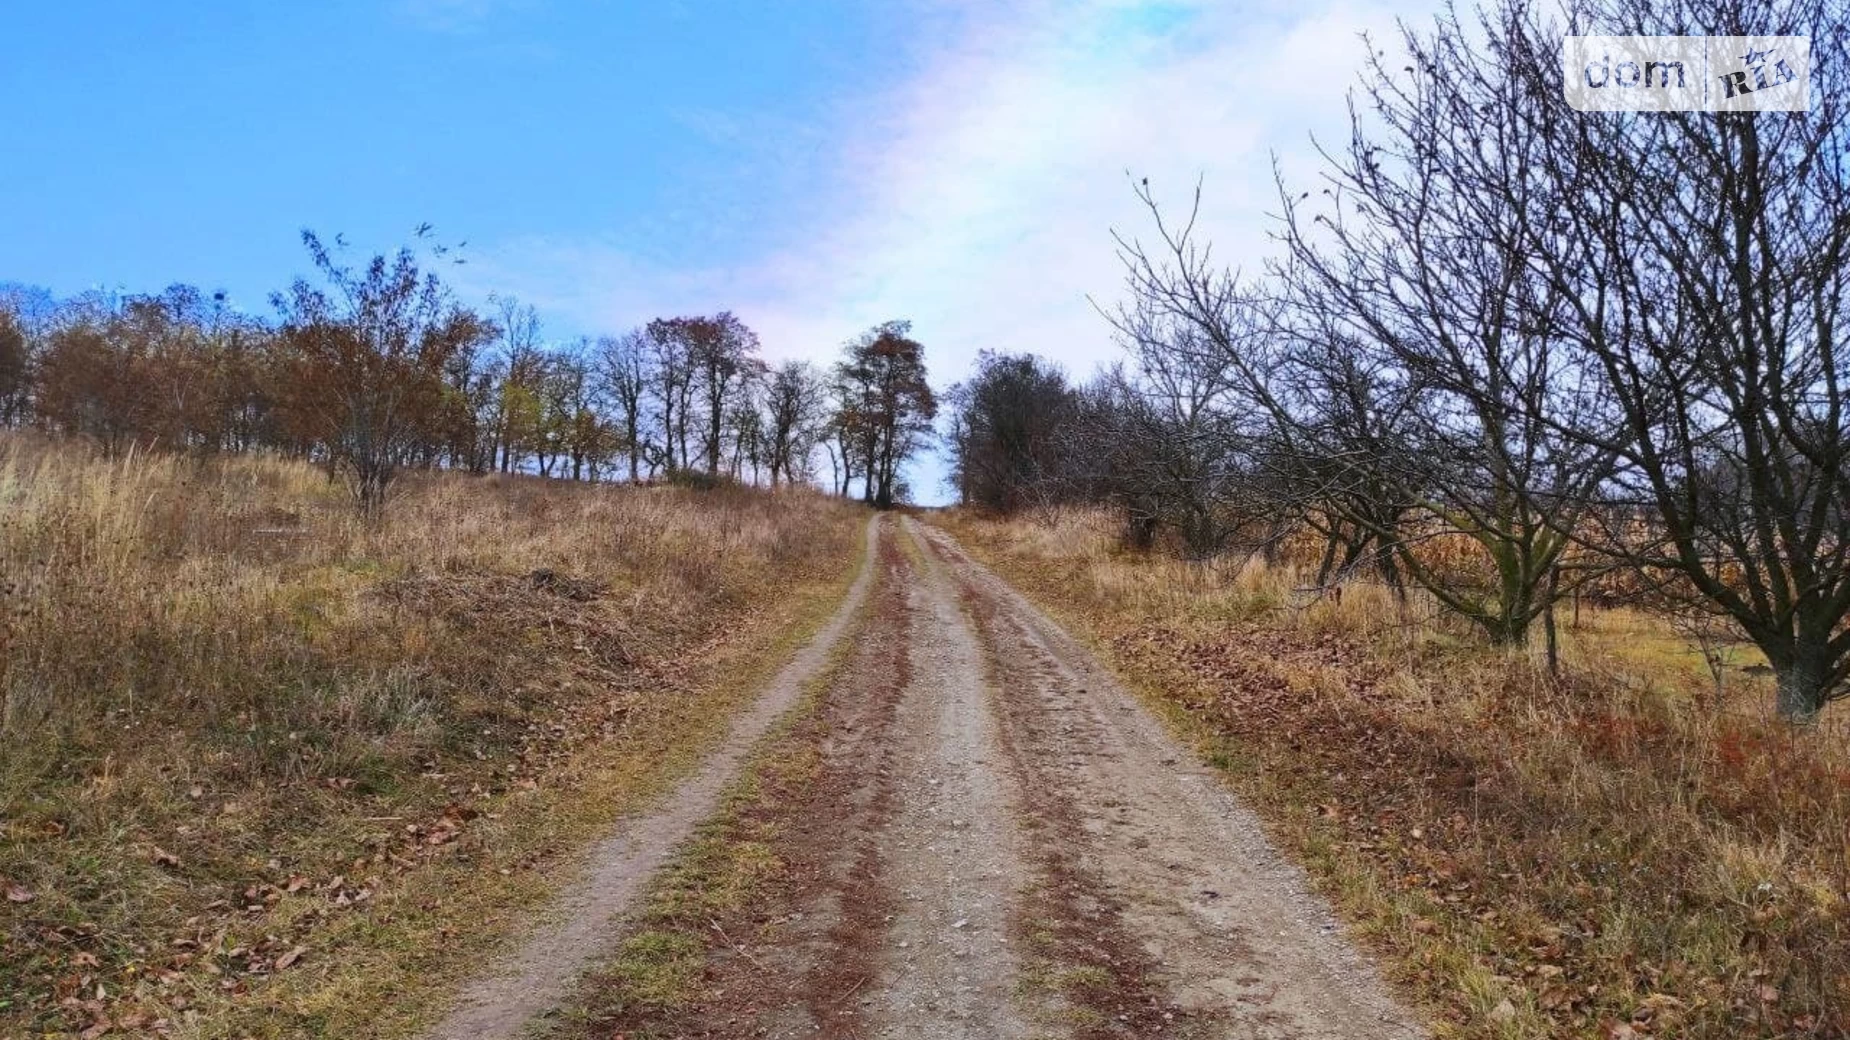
1613 852
218 684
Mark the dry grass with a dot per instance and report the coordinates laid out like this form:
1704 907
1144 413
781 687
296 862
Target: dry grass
1609 854
266 770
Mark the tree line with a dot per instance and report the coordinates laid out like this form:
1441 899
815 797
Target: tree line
373 368
1504 349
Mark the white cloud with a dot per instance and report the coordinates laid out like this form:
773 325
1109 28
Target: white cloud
979 197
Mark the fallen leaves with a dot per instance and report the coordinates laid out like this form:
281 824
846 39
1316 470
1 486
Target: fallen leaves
1561 836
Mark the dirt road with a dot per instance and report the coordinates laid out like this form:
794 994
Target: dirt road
994 840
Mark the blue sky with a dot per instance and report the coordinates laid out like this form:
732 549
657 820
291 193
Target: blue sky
815 167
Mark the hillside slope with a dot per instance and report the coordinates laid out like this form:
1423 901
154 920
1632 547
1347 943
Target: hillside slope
266 770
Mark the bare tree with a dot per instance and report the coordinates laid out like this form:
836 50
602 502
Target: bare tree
672 362
622 363
793 406
1005 442
1182 456
582 436
522 366
15 368
1705 301
724 355
20 341
1418 259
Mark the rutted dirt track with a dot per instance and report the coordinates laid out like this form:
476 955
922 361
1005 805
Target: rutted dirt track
995 840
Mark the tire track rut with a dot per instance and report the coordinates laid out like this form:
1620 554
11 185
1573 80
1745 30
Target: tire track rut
953 846
1231 935
584 922
986 837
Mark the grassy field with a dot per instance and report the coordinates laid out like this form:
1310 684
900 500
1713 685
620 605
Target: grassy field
268 771
1619 852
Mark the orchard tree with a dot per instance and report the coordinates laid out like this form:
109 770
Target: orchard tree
1416 261
1707 301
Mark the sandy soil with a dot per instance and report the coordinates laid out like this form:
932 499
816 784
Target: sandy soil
999 842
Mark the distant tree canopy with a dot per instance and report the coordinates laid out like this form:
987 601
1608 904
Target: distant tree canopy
1006 432
15 367
374 368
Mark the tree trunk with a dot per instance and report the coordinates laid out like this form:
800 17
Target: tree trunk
1548 622
1389 569
1140 530
1803 685
370 481
713 428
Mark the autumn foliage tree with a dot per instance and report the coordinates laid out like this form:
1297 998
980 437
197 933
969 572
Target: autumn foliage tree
887 406
364 358
372 369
